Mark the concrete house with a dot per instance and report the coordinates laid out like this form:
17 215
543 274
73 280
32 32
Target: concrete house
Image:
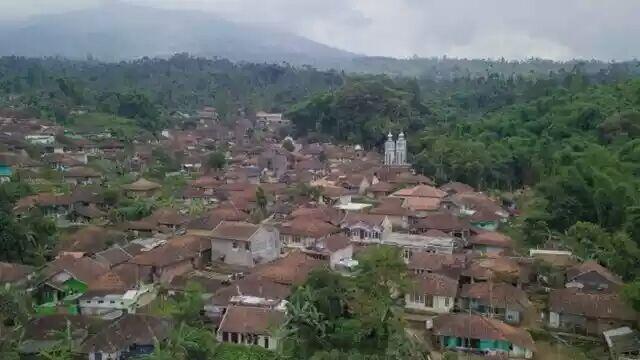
590 313
244 244
479 334
335 249
129 337
251 325
501 300
433 293
592 276
163 263
302 232
366 228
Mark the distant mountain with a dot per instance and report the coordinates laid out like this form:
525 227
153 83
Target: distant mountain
117 31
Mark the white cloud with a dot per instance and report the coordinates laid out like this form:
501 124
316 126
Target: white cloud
471 28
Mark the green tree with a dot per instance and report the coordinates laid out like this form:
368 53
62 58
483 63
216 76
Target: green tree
217 160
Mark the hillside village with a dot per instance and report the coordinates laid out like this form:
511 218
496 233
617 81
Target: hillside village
244 213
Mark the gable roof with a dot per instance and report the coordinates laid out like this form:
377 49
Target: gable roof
234 230
311 227
435 285
420 191
84 269
251 320
142 184
501 295
163 256
594 305
10 272
492 238
480 327
369 219
589 266
252 285
138 329
289 270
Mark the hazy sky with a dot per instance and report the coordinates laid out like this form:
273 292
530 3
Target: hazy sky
556 29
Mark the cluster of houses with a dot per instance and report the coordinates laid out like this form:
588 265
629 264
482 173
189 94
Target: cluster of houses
319 206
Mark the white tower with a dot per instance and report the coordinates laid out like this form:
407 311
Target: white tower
401 150
389 151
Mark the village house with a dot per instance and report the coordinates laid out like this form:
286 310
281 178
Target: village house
445 222
251 325
65 280
366 228
129 337
291 269
400 217
81 176
302 232
336 249
448 264
479 334
433 241
380 190
431 292
165 262
113 295
42 333
14 275
503 301
590 313
245 244
141 188
591 276
490 243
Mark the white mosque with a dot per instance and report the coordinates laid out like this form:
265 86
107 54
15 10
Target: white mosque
395 152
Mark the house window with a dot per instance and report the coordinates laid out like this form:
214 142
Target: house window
447 301
406 253
428 301
112 302
266 342
234 338
247 246
100 301
234 245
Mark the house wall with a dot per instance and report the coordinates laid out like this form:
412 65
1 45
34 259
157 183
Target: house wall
167 273
262 340
264 244
105 355
441 304
346 253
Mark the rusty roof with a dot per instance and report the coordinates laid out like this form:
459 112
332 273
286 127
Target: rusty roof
251 320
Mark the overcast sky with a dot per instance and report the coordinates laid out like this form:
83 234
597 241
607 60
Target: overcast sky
555 29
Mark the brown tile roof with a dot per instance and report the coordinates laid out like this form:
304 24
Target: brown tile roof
456 188
421 191
252 285
589 266
436 262
91 211
82 171
435 285
370 219
91 239
336 242
234 230
310 227
326 214
289 270
381 186
109 281
591 305
168 216
500 295
492 238
84 269
391 207
142 184
442 221
163 256
422 203
113 256
251 320
479 327
10 273
191 242
129 330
